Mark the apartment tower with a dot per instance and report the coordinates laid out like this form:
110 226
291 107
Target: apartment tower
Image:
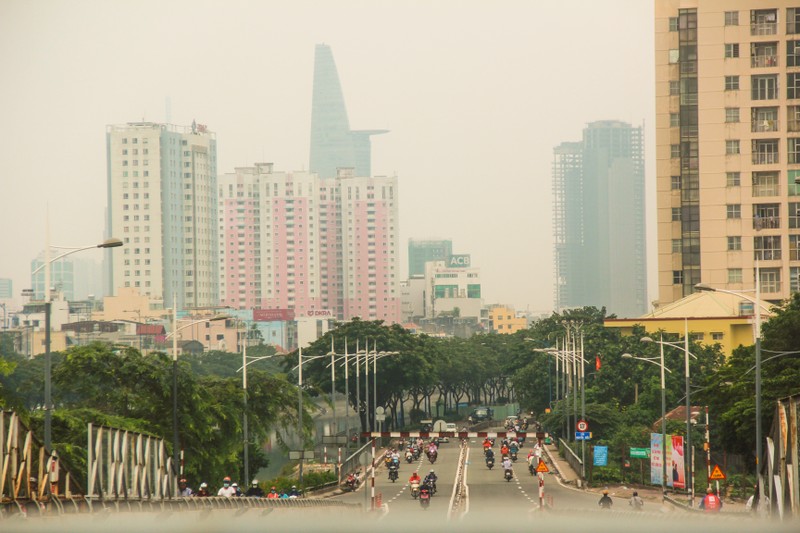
162 202
728 145
599 220
420 251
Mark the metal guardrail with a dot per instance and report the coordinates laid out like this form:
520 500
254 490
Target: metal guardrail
459 492
572 458
353 463
29 508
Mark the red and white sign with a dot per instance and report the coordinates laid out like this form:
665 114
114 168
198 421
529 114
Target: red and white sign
319 313
273 315
582 425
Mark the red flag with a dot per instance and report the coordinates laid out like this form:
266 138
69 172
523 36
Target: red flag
597 362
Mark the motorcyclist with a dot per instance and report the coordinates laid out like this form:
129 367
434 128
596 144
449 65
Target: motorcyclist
294 493
203 491
183 489
487 444
255 491
636 502
395 457
605 502
504 450
414 479
226 490
430 480
238 491
273 494
489 454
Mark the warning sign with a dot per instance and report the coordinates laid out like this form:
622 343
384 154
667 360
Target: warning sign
542 468
717 473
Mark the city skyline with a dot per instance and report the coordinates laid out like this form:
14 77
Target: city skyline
472 124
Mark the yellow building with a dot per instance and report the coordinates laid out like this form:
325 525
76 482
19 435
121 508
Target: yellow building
728 145
712 317
503 319
130 304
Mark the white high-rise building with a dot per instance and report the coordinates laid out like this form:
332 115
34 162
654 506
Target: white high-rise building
162 202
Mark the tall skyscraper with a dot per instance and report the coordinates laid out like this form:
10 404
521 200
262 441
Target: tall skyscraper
728 145
420 251
6 288
162 202
333 144
599 220
292 240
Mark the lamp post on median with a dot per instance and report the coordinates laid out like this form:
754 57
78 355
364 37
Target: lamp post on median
757 334
660 363
174 334
688 449
48 420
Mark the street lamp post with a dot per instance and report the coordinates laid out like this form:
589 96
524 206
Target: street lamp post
174 334
48 407
689 452
663 408
757 305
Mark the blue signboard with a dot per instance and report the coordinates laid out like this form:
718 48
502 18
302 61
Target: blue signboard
583 435
601 456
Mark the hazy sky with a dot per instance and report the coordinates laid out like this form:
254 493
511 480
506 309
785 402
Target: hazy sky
476 95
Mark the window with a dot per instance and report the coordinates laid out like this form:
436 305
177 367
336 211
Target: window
765 151
732 146
766 216
731 50
733 179
764 87
794 247
770 279
677 277
734 211
674 56
674 120
793 150
731 114
793 85
731 18
766 183
676 246
793 20
794 279
794 215
734 244
734 275
674 87
675 151
676 183
717 336
764 119
673 24
731 83
767 247
793 117
764 54
676 214
763 22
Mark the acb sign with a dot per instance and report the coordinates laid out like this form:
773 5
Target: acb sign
459 261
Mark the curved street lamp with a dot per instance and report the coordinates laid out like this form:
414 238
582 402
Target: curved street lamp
48 407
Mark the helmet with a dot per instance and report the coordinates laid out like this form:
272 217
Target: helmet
709 490
605 491
235 485
273 488
203 485
255 482
294 486
226 478
431 470
182 480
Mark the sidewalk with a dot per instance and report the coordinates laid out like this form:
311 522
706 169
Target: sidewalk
568 476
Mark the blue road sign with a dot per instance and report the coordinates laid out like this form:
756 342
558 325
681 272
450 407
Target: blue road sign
601 456
583 435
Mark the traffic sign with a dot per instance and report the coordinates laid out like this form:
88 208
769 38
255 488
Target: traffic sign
582 425
717 473
583 435
542 467
640 453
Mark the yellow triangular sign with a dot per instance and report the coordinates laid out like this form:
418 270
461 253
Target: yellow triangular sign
717 473
542 468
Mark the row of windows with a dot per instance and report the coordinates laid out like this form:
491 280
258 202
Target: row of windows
763 151
770 278
762 21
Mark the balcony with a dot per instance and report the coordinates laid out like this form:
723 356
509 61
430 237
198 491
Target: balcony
764 60
763 28
765 158
764 125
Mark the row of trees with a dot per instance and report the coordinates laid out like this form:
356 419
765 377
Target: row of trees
119 387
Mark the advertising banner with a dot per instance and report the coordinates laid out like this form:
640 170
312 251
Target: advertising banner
601 456
273 315
678 473
656 458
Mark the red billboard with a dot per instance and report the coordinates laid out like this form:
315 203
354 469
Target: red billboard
273 315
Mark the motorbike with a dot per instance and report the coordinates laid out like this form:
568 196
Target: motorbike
432 456
509 475
424 498
532 469
414 490
393 472
351 483
490 462
409 456
514 456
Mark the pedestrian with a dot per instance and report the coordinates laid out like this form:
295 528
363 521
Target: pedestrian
711 503
636 502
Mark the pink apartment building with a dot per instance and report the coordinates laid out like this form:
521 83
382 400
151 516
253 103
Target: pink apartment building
295 241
